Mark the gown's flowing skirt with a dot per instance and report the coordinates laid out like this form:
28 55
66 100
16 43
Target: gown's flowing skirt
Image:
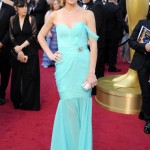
72 127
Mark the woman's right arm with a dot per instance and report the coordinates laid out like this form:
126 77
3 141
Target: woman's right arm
46 17
42 34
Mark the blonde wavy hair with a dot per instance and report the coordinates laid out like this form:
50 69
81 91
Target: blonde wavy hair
52 4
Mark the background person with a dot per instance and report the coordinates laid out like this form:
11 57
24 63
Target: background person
99 13
86 4
141 63
6 11
39 10
25 81
114 20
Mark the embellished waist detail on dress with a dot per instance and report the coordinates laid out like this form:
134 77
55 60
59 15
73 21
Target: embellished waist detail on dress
72 49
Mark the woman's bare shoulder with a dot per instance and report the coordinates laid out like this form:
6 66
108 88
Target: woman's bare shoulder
89 13
86 13
54 14
51 16
57 12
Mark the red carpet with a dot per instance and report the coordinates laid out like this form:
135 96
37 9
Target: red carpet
31 130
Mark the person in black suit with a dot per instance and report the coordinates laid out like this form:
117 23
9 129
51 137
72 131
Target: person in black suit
122 5
99 13
141 63
6 11
39 11
101 1
86 4
114 20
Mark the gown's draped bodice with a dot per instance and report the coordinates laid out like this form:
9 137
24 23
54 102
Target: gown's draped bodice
75 37
72 70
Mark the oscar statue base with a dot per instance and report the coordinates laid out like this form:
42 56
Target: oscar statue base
118 99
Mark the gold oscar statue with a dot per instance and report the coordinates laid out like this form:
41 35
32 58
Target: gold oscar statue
136 10
121 93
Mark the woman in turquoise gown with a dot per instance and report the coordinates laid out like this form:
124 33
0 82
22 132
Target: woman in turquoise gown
75 64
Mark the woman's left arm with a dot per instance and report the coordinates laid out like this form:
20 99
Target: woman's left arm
33 37
91 78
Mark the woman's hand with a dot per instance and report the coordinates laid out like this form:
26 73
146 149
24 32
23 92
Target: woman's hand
56 56
91 79
18 49
20 56
147 47
1 44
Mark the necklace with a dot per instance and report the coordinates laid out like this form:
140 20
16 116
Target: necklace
71 12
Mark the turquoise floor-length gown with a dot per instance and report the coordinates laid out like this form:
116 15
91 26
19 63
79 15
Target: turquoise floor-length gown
73 126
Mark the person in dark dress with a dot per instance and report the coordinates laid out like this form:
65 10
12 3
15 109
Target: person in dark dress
25 81
6 11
